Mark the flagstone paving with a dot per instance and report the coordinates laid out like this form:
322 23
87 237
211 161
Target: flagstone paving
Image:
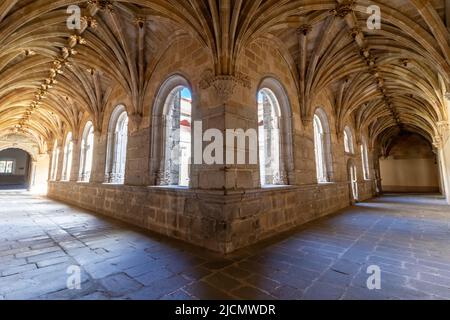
43 244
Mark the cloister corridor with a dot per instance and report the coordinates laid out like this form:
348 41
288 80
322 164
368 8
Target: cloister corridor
407 236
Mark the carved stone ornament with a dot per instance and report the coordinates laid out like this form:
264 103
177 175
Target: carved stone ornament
344 8
304 29
89 21
355 32
102 4
444 132
224 85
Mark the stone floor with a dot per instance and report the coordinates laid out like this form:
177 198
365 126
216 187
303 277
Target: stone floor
408 237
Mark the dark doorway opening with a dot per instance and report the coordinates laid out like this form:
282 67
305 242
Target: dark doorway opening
15 168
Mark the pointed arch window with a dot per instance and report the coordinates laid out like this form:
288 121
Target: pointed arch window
86 154
68 154
117 146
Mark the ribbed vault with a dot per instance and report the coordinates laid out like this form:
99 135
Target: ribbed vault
384 81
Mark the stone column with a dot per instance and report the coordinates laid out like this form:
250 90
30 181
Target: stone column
138 150
341 159
443 158
306 155
441 168
39 173
60 162
99 158
50 163
75 170
377 174
268 132
225 102
441 143
32 174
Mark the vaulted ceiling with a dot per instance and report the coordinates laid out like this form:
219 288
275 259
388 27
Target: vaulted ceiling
389 80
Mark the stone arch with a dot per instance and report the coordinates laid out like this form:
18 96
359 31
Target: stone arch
27 149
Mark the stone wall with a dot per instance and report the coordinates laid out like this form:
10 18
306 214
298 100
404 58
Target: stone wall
211 219
225 208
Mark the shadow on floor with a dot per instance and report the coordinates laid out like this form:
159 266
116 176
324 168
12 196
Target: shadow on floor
327 259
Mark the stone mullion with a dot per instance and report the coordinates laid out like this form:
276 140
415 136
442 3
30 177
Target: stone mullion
82 157
268 134
175 138
50 165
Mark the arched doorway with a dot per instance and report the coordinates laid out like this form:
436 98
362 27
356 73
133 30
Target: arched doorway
353 181
15 169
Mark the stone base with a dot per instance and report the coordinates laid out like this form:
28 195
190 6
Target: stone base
222 222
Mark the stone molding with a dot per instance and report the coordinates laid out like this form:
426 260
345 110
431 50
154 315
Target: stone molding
224 85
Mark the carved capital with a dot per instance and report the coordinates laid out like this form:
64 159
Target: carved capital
443 126
438 143
224 85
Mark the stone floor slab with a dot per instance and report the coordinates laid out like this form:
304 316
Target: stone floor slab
408 237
